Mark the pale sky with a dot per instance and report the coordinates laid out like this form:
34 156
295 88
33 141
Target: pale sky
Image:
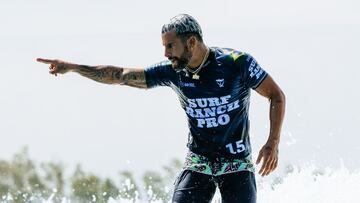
309 47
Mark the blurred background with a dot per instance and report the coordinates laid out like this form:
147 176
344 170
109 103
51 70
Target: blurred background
309 47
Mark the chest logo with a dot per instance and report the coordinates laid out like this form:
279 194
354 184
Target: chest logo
220 82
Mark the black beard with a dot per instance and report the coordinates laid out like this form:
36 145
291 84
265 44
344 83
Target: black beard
183 61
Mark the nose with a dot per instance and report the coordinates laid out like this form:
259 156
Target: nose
167 53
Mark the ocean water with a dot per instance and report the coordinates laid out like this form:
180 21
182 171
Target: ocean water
312 185
303 184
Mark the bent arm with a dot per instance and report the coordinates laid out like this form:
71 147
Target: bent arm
272 91
269 152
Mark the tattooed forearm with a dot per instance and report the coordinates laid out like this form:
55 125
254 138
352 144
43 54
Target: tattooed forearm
113 75
103 74
117 74
134 78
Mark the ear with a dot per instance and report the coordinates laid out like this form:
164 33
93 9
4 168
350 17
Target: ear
192 42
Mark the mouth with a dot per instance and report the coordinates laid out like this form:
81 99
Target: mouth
172 59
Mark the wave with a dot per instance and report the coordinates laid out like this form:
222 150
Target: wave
311 184
308 184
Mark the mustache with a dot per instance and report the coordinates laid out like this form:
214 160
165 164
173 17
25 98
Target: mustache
174 57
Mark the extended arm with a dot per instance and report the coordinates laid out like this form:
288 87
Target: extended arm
134 77
269 152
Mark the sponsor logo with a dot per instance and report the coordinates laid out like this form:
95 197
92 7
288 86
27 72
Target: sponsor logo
255 69
187 84
220 82
211 112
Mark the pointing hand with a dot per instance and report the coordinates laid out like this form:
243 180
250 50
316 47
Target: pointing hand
56 66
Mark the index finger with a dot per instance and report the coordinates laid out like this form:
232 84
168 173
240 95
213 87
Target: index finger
47 61
264 165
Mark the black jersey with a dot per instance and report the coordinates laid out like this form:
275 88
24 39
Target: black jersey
216 104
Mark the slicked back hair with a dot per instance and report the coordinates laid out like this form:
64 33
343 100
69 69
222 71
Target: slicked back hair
184 26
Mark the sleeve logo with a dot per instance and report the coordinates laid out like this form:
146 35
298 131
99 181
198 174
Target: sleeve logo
255 69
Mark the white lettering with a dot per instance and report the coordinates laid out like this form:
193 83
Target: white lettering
255 70
202 103
201 123
190 111
224 99
240 147
221 109
192 103
252 65
259 74
210 112
233 105
199 114
214 101
224 119
215 114
211 123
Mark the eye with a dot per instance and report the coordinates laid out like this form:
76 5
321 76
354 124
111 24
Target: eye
170 45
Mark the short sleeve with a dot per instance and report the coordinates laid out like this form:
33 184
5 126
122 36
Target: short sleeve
161 74
252 72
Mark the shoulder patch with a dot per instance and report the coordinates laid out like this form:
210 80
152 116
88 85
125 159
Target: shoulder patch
235 55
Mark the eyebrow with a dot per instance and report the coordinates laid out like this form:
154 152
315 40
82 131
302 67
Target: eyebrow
170 44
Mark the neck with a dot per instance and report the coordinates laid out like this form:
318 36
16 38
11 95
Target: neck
199 55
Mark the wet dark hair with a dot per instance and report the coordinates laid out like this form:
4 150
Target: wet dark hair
184 26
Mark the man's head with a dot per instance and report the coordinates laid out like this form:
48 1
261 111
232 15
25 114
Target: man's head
180 36
184 26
